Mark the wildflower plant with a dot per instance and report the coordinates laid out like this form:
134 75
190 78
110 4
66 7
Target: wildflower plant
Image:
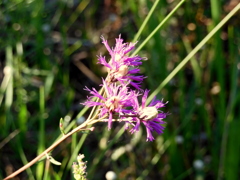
121 97
120 64
118 98
119 101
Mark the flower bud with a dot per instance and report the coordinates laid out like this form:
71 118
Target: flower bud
79 169
148 113
122 71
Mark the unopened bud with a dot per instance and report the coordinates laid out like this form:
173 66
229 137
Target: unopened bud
79 169
92 128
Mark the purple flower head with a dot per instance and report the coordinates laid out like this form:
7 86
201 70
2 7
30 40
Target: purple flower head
119 53
121 66
117 98
148 115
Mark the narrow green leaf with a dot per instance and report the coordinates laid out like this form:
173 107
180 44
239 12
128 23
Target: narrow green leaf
61 126
52 160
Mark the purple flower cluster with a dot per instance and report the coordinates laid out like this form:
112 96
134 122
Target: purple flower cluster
121 102
120 63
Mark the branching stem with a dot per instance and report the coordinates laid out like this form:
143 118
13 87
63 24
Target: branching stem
36 159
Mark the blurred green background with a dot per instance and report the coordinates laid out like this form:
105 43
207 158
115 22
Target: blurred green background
48 55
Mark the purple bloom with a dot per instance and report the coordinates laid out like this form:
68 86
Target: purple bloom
119 53
148 115
117 98
121 66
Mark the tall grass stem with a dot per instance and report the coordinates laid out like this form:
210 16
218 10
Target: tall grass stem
146 20
192 53
158 27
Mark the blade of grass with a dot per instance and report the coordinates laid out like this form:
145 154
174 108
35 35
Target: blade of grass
9 138
230 134
231 165
9 65
158 27
58 14
5 82
215 10
80 8
146 20
185 174
77 45
35 72
49 82
103 151
62 168
20 91
8 120
41 135
76 150
24 159
195 66
218 65
193 52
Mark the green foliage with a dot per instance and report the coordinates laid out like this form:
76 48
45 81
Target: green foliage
48 55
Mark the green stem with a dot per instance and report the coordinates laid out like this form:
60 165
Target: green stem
41 145
158 27
193 52
36 159
146 20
